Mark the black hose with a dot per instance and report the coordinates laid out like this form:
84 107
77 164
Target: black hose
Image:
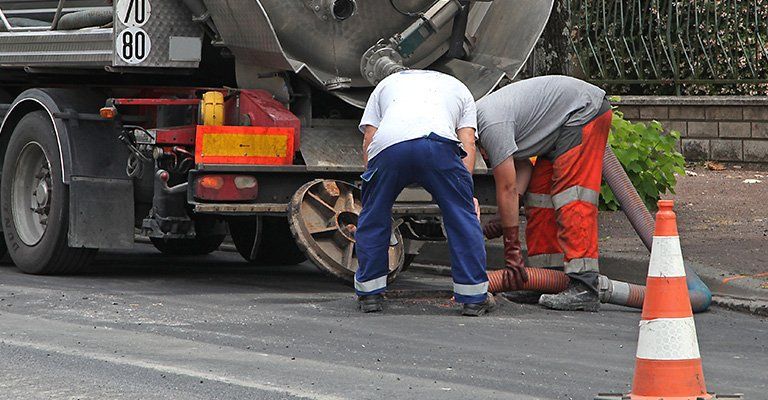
97 16
643 223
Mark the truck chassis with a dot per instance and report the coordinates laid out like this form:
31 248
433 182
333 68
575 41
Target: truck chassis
87 167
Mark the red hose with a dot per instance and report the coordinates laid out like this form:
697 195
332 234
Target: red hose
636 296
540 280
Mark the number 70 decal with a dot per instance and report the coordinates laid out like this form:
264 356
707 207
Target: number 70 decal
133 13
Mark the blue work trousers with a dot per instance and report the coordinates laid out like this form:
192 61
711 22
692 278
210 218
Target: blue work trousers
435 164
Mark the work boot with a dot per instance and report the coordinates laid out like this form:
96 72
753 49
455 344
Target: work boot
370 303
577 297
478 309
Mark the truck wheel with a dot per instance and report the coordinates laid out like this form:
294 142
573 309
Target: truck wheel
198 246
407 261
269 236
35 202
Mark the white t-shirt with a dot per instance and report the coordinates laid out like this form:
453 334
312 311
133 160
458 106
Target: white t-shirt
414 103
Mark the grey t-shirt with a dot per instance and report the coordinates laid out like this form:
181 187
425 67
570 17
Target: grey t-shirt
522 119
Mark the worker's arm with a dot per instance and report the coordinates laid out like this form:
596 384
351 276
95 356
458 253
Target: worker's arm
507 200
467 138
523 173
505 176
370 131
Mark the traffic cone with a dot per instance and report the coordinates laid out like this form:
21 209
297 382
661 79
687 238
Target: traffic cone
668 364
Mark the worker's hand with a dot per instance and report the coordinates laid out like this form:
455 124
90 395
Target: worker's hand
477 208
515 277
492 229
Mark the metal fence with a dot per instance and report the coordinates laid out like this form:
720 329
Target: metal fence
690 46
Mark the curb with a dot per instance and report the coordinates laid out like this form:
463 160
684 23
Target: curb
754 307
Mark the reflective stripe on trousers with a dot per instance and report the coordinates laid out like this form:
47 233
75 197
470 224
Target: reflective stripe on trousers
538 200
575 193
470 290
581 265
545 260
371 285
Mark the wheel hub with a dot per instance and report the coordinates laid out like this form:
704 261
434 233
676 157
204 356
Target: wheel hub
31 193
42 194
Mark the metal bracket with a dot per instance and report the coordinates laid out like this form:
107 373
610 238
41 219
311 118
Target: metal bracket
380 61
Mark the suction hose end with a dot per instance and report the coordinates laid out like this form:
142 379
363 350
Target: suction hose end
701 295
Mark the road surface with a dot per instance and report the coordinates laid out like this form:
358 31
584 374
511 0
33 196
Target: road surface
140 325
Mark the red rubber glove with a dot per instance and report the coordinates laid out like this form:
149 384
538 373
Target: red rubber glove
516 275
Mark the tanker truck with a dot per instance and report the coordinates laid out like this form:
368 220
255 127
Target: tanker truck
190 120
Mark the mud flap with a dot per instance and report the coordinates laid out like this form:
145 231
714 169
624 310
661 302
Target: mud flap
100 213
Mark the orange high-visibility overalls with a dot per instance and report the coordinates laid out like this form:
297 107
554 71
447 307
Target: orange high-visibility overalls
562 199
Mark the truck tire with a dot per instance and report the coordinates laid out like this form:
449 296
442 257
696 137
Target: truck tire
198 246
35 202
275 244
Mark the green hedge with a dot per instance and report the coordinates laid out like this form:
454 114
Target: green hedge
649 156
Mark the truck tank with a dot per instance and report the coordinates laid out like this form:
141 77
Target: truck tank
329 42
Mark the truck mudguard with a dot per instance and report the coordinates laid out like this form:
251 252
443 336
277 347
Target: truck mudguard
93 164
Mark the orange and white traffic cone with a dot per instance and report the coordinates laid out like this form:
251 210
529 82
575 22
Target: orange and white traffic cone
668 364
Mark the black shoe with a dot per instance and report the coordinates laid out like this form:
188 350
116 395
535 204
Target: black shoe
522 296
370 303
577 297
478 309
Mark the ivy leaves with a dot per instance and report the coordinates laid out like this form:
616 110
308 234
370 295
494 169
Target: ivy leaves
649 156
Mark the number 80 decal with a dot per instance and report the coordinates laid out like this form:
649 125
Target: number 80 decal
133 45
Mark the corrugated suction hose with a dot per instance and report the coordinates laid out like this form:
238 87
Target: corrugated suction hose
540 280
550 281
643 223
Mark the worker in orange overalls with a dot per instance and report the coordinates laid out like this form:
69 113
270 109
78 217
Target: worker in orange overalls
565 123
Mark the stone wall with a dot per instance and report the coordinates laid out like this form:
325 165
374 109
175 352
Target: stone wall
732 129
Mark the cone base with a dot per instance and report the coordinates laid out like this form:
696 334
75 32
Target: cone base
710 396
636 397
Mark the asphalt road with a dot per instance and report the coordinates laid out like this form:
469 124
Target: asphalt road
142 326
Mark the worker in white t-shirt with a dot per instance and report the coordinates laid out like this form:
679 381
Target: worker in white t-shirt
418 127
